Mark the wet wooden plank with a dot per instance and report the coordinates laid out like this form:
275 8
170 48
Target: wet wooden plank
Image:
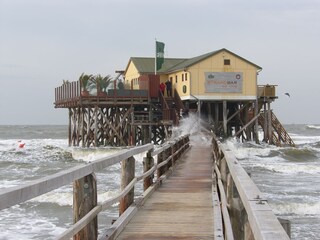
182 208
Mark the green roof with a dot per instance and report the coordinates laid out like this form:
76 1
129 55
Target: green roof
146 65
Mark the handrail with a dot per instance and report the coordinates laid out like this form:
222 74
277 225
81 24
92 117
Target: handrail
247 208
224 206
16 195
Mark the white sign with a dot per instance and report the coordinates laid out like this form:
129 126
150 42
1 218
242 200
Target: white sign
219 82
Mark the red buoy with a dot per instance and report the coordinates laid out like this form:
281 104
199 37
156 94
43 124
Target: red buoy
21 145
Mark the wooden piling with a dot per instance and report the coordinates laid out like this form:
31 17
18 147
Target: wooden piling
225 117
161 158
127 175
84 200
148 163
216 117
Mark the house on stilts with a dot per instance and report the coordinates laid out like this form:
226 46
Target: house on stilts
220 86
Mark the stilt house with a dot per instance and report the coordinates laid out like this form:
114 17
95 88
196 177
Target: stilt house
220 86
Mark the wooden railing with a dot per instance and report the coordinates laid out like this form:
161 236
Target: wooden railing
243 207
67 91
267 91
85 204
70 92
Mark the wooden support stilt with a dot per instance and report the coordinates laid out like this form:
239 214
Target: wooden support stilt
269 122
246 119
225 117
256 125
265 124
84 200
127 174
216 117
245 126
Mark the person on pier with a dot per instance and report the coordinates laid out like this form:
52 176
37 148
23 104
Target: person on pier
162 88
169 88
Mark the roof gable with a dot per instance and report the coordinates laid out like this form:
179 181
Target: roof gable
195 60
147 65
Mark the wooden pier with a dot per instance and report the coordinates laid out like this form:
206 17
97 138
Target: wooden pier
182 208
200 192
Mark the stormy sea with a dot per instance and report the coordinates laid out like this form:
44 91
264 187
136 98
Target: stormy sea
288 176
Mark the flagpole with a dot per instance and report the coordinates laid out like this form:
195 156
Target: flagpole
155 58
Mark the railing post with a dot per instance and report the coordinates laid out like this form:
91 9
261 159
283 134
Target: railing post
148 163
161 158
84 200
224 171
169 152
127 174
180 144
174 148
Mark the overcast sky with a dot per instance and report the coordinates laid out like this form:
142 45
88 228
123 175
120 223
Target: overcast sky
43 42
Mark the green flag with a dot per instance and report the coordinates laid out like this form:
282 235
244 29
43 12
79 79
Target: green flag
159 54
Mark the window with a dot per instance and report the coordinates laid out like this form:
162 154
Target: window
182 75
186 76
184 89
176 78
226 61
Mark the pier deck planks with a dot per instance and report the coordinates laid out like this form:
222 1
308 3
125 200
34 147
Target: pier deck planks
182 207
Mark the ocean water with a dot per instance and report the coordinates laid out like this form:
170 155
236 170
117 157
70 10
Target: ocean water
288 177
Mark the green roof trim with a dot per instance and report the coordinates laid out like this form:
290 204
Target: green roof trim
147 65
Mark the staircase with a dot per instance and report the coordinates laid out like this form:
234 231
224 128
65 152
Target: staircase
280 137
171 107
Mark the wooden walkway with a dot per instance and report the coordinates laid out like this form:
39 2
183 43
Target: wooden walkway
182 208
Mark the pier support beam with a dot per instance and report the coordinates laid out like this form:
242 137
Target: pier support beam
127 175
148 163
256 125
84 200
216 117
225 117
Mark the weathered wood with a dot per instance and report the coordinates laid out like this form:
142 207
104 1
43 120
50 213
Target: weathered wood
69 128
182 207
69 233
265 123
256 125
148 163
79 174
248 124
161 158
216 116
224 116
224 203
269 123
84 200
262 223
217 217
16 195
125 218
127 174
